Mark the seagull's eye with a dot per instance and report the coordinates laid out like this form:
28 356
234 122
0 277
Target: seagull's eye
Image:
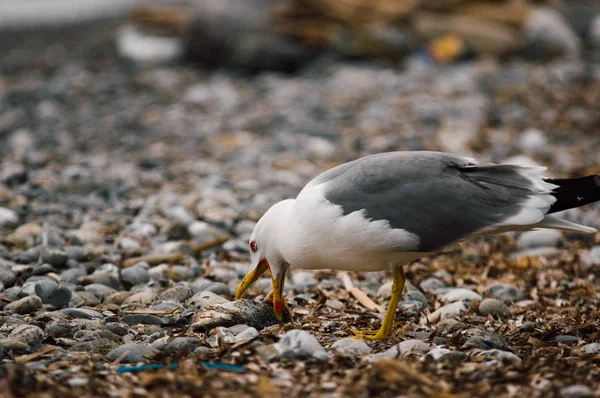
253 246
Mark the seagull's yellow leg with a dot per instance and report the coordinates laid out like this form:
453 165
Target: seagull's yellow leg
388 322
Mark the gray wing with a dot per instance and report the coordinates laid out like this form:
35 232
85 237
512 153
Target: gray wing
440 197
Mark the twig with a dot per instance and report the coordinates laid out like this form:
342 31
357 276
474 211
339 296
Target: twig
359 294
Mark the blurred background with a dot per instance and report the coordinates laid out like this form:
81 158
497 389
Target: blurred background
140 141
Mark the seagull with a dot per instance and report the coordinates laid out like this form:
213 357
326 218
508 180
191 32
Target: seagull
383 211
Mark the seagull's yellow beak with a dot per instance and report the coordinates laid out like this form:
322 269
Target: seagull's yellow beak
251 278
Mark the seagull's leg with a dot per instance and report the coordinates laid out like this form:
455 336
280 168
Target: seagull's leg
388 322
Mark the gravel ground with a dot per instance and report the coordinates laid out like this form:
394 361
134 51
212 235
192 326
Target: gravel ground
128 193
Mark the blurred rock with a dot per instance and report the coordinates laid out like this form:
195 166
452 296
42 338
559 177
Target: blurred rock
548 35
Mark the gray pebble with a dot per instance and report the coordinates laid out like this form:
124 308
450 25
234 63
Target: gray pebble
178 293
505 292
576 391
118 328
72 275
432 284
131 353
49 237
592 348
8 217
51 293
102 278
220 288
136 275
247 334
460 294
82 313
539 238
26 305
182 345
351 347
57 329
145 319
300 344
484 340
88 298
55 257
566 339
204 300
96 346
101 291
593 257
14 345
7 276
77 253
500 354
28 334
494 307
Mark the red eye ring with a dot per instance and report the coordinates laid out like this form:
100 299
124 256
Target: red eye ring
253 246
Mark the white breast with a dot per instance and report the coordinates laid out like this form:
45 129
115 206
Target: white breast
320 236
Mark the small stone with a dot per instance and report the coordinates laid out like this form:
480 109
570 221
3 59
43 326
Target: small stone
548 34
460 294
484 340
101 291
502 355
566 339
136 275
50 238
335 304
52 293
117 298
505 292
576 391
432 284
96 346
143 297
55 257
300 344
182 344
88 299
451 310
593 256
438 354
7 276
28 334
26 305
177 293
14 345
493 307
8 217
144 319
247 334
413 345
539 238
533 141
592 348
82 313
351 347
204 300
130 353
